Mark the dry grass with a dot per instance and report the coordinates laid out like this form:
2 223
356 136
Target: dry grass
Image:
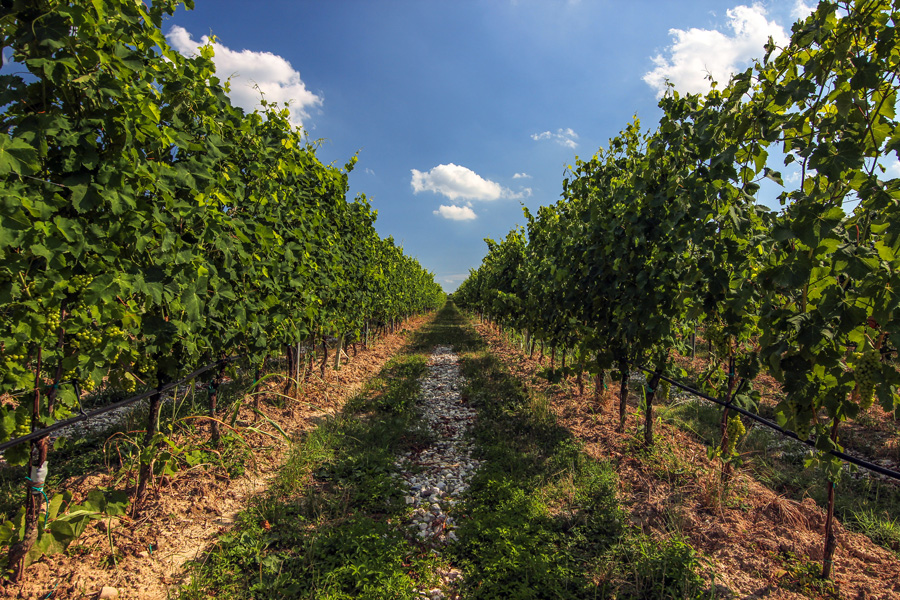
755 539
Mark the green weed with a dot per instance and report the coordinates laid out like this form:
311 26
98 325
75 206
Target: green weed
330 525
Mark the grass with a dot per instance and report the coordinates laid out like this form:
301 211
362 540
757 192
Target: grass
542 519
864 505
116 448
331 524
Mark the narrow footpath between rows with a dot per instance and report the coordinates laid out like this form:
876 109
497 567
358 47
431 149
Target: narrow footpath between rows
450 477
438 474
445 478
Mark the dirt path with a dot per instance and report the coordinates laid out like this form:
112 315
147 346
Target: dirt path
436 475
192 508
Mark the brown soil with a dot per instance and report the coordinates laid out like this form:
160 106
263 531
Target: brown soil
756 541
187 512
873 435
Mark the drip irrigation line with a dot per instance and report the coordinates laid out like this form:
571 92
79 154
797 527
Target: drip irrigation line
785 432
111 407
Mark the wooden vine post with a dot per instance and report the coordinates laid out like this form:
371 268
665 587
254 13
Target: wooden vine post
290 359
337 353
38 465
726 468
324 356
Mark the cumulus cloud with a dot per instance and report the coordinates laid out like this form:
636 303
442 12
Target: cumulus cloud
892 167
697 53
564 137
801 9
521 176
455 182
456 213
274 76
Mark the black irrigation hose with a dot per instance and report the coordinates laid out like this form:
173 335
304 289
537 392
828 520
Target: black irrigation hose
95 413
786 432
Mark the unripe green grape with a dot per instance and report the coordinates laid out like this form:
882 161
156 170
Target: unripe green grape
52 322
123 380
734 430
79 282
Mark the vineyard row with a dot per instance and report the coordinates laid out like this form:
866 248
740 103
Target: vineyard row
664 231
148 226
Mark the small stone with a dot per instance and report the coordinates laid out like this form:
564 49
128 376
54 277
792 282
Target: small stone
108 592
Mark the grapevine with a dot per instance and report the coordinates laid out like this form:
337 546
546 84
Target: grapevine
661 232
186 228
868 364
734 431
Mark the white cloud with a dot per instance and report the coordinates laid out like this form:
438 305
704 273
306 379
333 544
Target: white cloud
276 79
696 53
455 182
454 278
564 137
369 171
521 176
801 9
456 213
892 166
792 177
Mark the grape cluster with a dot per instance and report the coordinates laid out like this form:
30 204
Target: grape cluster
53 321
79 282
123 380
87 339
734 430
22 428
868 364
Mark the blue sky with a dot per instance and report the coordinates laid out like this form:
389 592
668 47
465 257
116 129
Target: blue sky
463 111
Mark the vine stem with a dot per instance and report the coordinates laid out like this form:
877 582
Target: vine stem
830 540
623 394
33 501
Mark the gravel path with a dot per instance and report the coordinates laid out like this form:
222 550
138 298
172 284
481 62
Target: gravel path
435 476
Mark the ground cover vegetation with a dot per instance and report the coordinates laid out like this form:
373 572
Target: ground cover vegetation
540 520
198 487
750 540
148 227
662 232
